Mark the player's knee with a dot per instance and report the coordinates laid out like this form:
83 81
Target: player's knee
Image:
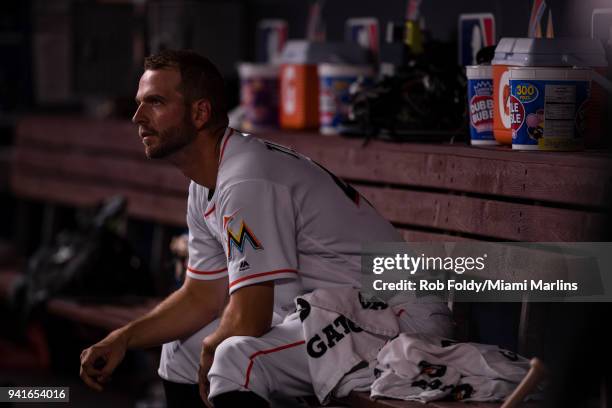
232 346
234 368
231 356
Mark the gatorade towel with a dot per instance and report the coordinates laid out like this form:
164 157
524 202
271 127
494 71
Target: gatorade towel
548 108
480 100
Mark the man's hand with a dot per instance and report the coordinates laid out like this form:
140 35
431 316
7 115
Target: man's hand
100 360
206 361
181 314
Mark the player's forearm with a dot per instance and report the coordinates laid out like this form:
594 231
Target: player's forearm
179 315
233 326
238 320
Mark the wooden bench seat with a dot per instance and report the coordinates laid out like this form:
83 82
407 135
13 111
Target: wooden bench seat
429 192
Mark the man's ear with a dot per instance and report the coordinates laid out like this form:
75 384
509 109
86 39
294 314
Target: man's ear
200 113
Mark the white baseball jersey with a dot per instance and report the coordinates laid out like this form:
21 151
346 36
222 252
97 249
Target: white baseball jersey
277 215
274 215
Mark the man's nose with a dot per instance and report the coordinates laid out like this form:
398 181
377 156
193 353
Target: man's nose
139 116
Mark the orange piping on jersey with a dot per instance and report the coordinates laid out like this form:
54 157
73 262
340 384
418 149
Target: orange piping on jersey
257 275
261 352
225 144
228 218
207 213
206 272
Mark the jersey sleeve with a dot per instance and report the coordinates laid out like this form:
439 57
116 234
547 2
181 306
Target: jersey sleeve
206 256
258 223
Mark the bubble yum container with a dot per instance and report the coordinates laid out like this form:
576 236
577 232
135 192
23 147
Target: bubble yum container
548 107
334 97
545 52
480 102
259 95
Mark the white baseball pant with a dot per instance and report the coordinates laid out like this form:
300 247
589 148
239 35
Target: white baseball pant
271 365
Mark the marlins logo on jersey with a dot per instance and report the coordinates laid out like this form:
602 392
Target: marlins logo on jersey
237 240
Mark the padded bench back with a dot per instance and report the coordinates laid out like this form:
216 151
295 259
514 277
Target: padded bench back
78 162
430 192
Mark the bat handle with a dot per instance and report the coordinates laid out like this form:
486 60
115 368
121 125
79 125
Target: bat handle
536 373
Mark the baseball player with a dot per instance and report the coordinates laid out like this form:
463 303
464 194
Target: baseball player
265 225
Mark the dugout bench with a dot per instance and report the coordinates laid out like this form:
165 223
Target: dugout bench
430 192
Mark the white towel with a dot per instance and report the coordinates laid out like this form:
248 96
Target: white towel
344 333
426 368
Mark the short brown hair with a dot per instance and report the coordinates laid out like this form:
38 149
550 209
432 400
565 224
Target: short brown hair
200 79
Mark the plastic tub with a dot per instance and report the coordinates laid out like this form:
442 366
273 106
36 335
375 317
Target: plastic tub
334 97
542 52
549 108
259 95
480 104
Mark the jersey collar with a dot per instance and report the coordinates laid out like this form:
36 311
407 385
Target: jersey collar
226 136
212 193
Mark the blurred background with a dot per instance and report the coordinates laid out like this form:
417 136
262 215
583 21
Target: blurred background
73 54
83 58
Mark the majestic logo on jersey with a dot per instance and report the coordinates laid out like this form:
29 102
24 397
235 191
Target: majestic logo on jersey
244 265
238 240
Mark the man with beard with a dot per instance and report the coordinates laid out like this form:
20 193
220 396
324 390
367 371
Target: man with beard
265 225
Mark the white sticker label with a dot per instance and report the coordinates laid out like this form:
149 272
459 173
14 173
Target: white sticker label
559 111
559 128
560 93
